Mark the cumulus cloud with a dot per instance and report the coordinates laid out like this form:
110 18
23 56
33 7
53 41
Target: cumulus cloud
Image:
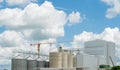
1 0
75 17
114 9
50 46
19 2
5 55
35 21
38 21
109 34
10 39
79 40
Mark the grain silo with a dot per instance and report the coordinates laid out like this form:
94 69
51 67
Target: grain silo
31 64
64 59
19 64
46 64
70 60
40 64
55 59
74 61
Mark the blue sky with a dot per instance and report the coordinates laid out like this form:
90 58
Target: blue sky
94 12
91 19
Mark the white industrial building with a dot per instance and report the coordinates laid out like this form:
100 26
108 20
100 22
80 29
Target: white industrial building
101 48
96 52
91 62
86 61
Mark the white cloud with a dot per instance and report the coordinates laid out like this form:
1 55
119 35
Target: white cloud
114 9
5 55
46 48
35 21
1 0
75 17
10 39
79 40
19 2
38 21
108 34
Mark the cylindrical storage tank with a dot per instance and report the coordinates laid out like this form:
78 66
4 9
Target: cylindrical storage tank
19 64
55 59
31 64
40 64
70 60
64 59
46 64
74 61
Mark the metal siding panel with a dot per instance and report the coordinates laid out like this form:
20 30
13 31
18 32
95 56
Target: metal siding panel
31 64
40 64
19 64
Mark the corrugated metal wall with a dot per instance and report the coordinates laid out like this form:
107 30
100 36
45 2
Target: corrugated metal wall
19 64
31 64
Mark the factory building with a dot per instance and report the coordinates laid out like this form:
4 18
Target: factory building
97 52
90 62
101 48
57 60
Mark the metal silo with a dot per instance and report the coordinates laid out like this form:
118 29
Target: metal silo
70 60
55 59
46 64
40 64
19 64
64 59
74 61
31 64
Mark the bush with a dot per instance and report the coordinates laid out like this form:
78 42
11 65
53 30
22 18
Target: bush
115 68
104 66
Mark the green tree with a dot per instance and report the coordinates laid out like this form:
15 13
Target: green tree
115 68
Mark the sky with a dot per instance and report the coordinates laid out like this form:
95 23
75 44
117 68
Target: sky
29 21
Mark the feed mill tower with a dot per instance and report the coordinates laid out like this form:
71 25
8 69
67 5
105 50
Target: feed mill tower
101 48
